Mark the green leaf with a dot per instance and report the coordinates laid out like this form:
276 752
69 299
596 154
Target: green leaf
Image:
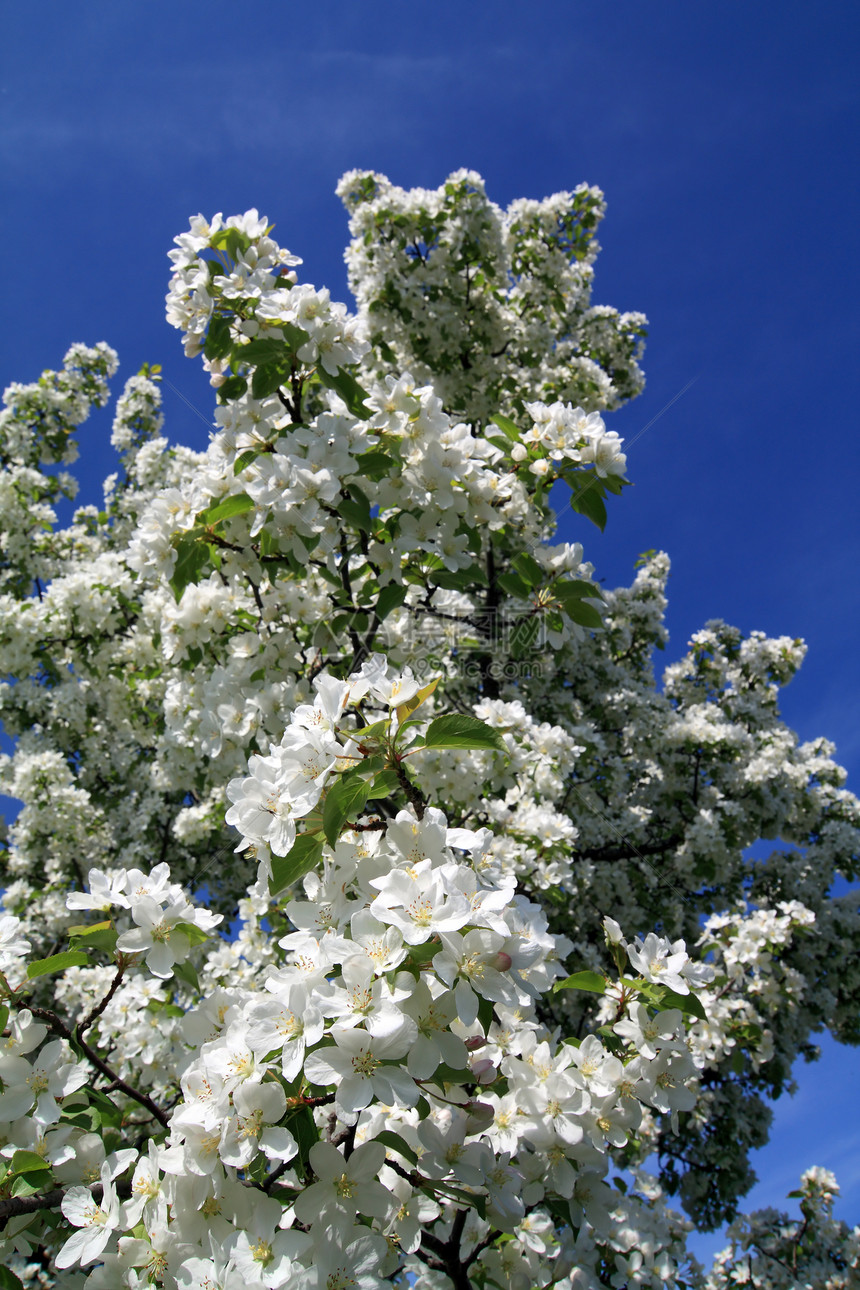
507 427
233 388
458 579
513 584
299 860
218 340
193 934
375 730
269 349
28 1162
343 799
587 500
384 785
294 335
486 1014
498 442
405 710
77 1111
594 982
585 615
271 359
553 621
423 953
244 459
686 1003
529 569
389 598
349 390
457 731
28 1184
267 378
167 1009
303 1128
8 1280
574 589
231 240
358 495
233 505
187 972
107 1112
356 513
56 963
192 556
448 1075
467 1199
374 464
393 1140
97 936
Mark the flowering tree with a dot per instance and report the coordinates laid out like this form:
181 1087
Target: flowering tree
770 1249
372 915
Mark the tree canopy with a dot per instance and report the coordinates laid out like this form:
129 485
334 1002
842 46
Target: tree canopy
375 911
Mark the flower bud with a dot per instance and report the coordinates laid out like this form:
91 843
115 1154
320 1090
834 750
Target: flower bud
480 1117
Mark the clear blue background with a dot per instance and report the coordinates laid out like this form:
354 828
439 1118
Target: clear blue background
725 138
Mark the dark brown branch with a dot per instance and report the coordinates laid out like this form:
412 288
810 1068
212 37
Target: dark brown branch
448 1252
629 851
276 1174
258 601
100 1007
412 791
60 1028
165 840
481 1246
51 1200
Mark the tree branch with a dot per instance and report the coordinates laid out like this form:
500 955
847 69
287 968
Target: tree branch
60 1028
100 1007
51 1200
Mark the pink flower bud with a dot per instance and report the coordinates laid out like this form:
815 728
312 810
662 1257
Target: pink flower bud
502 961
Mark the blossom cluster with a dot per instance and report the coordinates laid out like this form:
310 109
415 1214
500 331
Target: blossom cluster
254 280
409 982
164 918
494 306
572 435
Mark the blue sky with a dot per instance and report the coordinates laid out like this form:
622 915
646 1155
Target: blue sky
725 139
